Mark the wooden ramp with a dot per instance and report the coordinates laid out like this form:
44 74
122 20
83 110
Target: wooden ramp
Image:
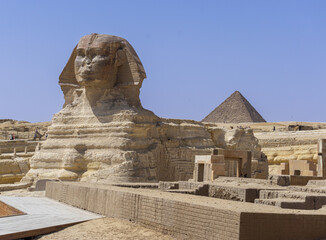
42 216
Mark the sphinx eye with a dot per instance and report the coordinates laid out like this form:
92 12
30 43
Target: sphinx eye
80 52
92 53
100 52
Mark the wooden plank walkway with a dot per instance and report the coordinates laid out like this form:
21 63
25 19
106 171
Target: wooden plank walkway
42 216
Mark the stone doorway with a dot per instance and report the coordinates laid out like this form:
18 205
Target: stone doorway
201 169
232 168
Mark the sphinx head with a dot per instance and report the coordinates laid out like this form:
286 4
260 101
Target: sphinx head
97 61
104 62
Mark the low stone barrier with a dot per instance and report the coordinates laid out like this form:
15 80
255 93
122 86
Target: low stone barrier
176 218
191 217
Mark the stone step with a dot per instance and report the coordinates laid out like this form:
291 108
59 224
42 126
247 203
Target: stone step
137 185
321 183
272 194
11 155
285 203
310 189
293 200
186 191
14 186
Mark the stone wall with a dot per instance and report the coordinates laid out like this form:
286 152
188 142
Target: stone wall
282 226
18 146
13 170
192 217
176 218
15 154
14 159
21 129
284 146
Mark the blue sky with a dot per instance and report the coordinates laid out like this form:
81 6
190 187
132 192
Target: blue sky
195 53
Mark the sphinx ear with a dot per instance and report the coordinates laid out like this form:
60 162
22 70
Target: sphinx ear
120 57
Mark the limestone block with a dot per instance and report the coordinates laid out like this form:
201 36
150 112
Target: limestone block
243 139
23 164
305 157
284 153
280 180
10 178
280 159
285 170
9 166
306 168
40 184
274 169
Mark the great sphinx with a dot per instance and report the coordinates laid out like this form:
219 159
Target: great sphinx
103 133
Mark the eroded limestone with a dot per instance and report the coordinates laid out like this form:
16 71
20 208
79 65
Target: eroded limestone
104 134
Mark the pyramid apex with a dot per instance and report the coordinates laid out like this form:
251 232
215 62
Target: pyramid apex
236 93
235 109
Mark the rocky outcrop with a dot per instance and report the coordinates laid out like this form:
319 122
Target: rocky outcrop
14 159
281 147
15 154
20 129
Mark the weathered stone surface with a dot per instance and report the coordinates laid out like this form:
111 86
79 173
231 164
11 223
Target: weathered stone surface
244 139
195 217
21 129
14 159
282 146
104 134
279 180
13 169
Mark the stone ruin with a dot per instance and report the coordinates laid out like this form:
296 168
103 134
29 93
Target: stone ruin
223 162
103 133
301 171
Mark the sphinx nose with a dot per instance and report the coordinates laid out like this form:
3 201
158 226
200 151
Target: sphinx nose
87 61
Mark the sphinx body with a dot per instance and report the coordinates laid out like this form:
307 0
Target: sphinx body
103 133
102 121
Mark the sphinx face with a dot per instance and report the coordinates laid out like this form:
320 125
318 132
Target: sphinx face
95 64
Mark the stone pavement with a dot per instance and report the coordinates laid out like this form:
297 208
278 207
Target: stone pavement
42 216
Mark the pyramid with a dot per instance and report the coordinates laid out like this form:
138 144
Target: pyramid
235 109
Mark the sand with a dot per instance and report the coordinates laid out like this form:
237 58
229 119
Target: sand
106 228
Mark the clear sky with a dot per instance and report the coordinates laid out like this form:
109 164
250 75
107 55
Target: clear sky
195 54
